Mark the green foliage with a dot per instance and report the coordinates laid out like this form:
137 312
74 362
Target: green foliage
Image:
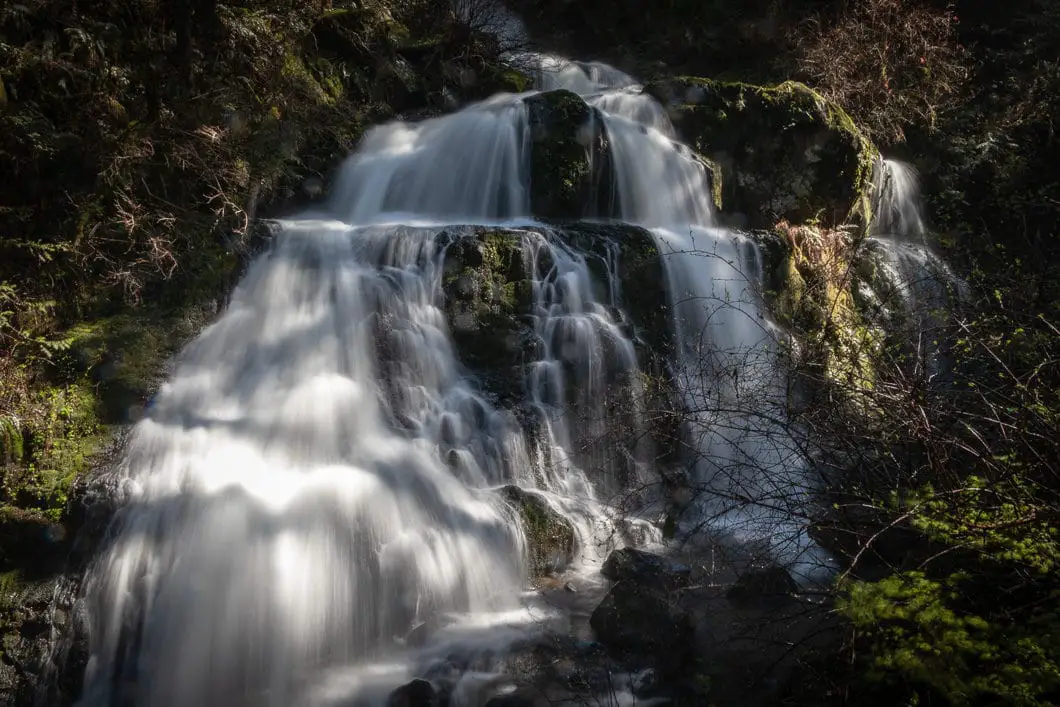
61 434
924 636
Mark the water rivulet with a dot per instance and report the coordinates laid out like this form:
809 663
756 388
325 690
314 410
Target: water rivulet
401 415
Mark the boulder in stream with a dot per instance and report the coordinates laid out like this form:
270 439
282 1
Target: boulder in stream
763 583
418 693
635 621
646 569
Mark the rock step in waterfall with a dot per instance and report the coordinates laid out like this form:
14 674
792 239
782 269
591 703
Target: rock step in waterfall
402 415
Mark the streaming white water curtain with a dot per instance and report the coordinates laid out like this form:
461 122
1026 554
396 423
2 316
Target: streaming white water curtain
318 474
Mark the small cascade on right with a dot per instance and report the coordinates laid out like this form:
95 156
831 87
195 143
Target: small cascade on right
745 482
910 281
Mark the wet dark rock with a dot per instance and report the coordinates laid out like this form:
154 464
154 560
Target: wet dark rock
780 152
550 536
635 621
486 299
763 583
519 698
646 569
418 693
570 165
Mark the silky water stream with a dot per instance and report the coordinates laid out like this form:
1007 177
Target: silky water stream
322 474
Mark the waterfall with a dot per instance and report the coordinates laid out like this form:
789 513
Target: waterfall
896 208
320 474
469 165
915 282
751 481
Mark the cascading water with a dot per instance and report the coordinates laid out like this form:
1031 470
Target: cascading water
319 474
924 281
275 523
916 280
471 166
751 479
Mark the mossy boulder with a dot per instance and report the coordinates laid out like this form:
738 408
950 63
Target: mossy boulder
12 442
569 173
783 152
549 536
487 293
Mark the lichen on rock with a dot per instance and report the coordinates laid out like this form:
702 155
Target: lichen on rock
487 291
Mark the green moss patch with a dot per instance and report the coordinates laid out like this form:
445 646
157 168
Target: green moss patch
783 152
567 142
550 538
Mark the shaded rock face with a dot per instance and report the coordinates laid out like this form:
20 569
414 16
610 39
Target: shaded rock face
639 622
37 558
628 273
782 152
645 569
487 294
570 173
418 693
550 537
487 290
764 583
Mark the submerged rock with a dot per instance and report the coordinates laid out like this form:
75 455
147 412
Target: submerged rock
646 569
549 535
634 621
782 152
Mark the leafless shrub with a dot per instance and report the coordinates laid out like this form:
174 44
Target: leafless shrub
891 63
493 18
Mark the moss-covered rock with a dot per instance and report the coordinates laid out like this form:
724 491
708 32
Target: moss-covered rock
487 293
12 443
812 284
549 536
569 173
784 152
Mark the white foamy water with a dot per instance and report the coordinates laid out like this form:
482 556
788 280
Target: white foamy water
319 475
924 282
471 164
316 479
